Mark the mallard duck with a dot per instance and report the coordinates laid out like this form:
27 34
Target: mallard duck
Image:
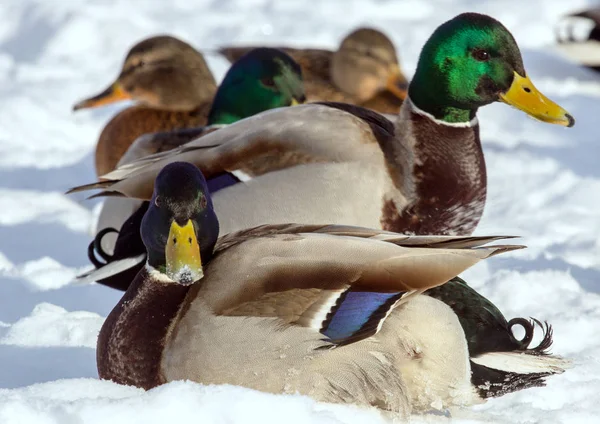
173 88
364 71
262 79
333 312
578 37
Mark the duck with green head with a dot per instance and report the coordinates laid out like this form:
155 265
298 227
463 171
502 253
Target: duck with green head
472 61
422 174
342 306
261 80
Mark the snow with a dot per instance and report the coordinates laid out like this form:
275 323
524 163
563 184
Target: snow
50 325
544 184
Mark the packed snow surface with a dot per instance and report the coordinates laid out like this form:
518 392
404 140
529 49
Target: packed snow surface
544 184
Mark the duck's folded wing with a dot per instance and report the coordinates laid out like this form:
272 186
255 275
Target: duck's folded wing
315 63
341 284
266 142
161 142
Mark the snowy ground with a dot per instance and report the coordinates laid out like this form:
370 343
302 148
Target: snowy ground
544 184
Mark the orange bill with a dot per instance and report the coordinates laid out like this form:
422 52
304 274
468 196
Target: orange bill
112 94
397 84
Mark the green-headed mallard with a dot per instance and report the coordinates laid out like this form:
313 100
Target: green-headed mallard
364 71
262 79
333 312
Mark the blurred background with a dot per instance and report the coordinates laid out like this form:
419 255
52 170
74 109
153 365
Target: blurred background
544 181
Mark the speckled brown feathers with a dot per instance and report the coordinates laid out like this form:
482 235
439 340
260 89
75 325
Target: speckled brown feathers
130 346
449 179
316 64
122 130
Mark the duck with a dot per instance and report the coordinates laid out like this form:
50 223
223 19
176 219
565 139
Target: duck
578 37
334 312
364 71
262 79
171 85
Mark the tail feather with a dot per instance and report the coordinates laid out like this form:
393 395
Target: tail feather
529 326
498 373
107 272
490 382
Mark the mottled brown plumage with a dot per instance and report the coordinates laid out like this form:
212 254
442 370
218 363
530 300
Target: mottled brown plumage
124 128
360 72
172 85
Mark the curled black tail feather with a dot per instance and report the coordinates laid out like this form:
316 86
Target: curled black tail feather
129 244
95 249
529 327
491 382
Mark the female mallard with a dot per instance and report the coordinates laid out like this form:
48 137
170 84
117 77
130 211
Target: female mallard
363 71
332 312
173 86
578 37
262 79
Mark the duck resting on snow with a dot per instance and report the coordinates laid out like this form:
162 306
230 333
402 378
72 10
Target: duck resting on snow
332 312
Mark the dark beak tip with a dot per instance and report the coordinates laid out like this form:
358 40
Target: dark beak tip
571 120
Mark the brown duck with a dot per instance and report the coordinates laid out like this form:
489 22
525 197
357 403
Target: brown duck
172 86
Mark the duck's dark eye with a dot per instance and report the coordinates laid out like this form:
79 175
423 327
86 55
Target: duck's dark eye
268 82
157 201
480 55
202 201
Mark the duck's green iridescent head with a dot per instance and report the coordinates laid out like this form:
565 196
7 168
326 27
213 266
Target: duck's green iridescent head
260 80
471 61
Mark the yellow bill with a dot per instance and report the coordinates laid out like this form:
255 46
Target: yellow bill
523 95
184 264
112 94
397 83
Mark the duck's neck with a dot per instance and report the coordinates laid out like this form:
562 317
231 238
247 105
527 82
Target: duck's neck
442 175
131 341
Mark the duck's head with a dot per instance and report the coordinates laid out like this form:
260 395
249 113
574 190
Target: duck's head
262 79
365 64
471 61
180 227
162 72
